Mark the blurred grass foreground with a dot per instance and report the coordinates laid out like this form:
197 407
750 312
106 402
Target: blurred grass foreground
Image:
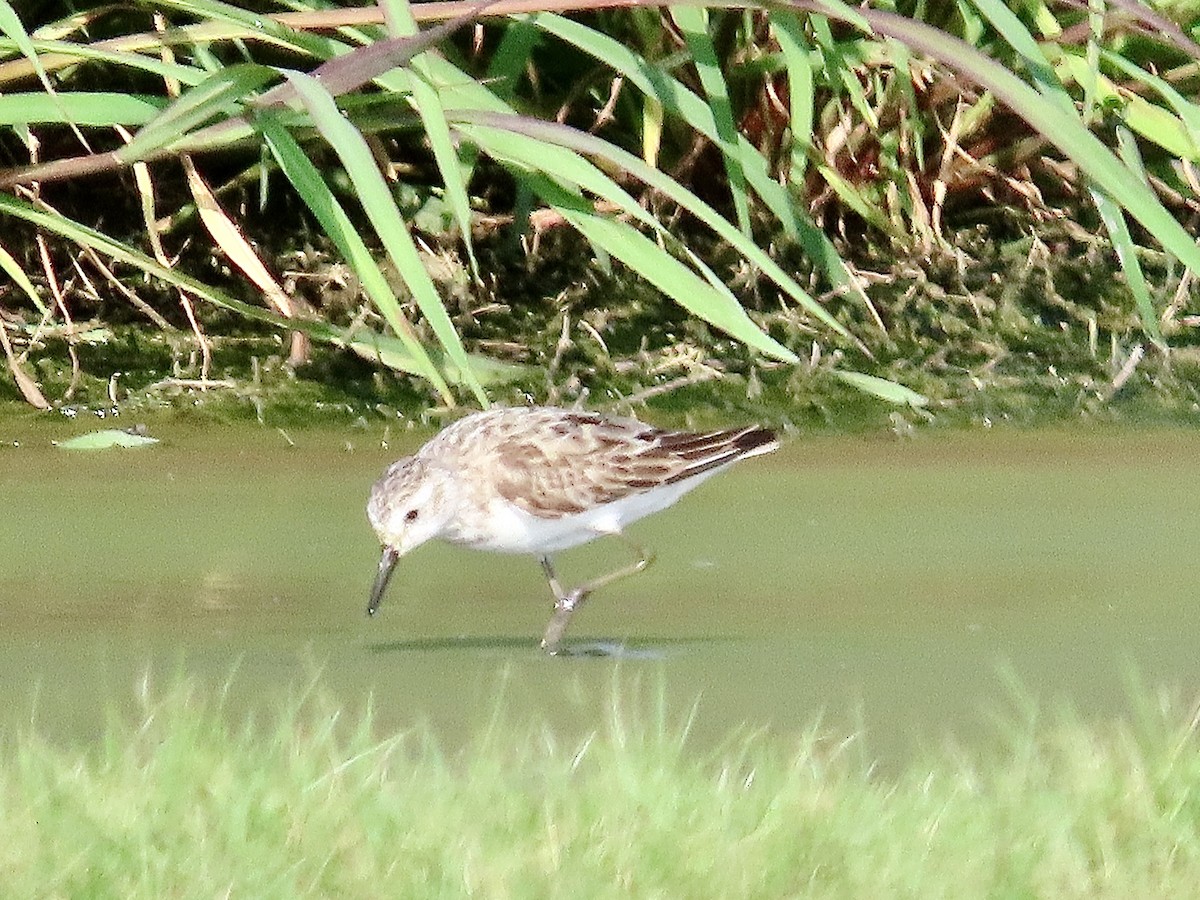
310 801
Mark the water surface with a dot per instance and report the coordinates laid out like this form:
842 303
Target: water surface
893 586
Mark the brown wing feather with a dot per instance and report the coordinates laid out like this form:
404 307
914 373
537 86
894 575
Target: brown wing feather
557 463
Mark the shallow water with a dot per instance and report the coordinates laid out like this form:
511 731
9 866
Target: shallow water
899 587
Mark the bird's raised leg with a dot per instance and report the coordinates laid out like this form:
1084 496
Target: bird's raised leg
566 602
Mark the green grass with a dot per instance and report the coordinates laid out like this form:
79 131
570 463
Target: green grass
310 803
741 164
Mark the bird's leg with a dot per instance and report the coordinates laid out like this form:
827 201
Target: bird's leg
551 578
566 602
644 558
564 605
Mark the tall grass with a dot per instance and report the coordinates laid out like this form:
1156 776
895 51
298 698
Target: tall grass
760 124
313 802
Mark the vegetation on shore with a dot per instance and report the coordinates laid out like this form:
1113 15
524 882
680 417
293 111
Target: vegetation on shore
989 205
311 801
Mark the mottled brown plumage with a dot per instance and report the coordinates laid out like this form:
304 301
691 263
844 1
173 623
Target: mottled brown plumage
548 466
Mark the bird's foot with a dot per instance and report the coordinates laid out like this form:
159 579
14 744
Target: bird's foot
563 607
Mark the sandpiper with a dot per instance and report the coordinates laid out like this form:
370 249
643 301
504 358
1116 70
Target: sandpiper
538 480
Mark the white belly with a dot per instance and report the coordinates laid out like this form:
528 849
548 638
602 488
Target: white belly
505 528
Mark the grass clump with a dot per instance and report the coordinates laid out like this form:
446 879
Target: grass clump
184 803
470 204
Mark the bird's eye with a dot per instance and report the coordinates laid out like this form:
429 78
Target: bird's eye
411 515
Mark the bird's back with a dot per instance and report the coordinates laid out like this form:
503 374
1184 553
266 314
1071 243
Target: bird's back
552 462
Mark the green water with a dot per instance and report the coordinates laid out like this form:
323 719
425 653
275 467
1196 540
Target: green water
893 586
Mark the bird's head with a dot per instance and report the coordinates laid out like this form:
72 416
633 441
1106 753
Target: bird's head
406 508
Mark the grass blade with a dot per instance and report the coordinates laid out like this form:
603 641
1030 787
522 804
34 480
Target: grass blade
1135 279
693 22
14 30
14 271
27 386
882 388
231 241
372 191
698 296
82 107
210 99
793 45
57 54
437 131
337 226
490 132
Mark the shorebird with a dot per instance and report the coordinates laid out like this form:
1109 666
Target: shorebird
538 480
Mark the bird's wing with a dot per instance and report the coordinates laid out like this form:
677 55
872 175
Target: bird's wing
557 462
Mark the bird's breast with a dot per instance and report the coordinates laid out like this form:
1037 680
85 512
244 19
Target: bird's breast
502 527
